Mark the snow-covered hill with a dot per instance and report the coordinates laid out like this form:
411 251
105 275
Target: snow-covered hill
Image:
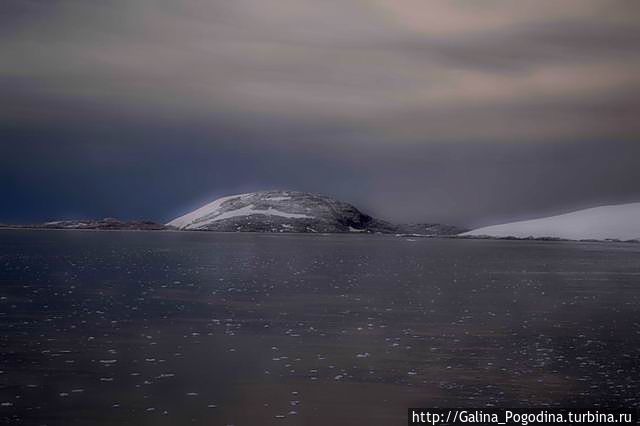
292 211
621 222
279 211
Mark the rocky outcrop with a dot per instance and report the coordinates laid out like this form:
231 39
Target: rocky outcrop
106 224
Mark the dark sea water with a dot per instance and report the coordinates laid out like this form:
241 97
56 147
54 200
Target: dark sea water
165 328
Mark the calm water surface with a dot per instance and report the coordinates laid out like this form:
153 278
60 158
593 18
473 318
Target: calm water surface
162 328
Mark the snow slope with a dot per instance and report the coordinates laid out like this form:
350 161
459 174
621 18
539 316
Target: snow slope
620 222
216 211
207 209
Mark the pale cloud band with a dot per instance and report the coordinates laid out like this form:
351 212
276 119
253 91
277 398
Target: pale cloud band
407 69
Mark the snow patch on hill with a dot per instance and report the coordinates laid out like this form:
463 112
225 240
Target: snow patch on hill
248 211
205 210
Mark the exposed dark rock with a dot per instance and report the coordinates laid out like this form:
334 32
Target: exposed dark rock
430 229
106 224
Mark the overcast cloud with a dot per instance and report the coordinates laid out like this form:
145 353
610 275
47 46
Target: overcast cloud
462 111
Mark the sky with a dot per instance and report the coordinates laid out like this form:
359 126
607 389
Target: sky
456 111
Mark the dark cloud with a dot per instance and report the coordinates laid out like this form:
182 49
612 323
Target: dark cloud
443 110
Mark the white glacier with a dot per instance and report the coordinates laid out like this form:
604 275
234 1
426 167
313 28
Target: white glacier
621 222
